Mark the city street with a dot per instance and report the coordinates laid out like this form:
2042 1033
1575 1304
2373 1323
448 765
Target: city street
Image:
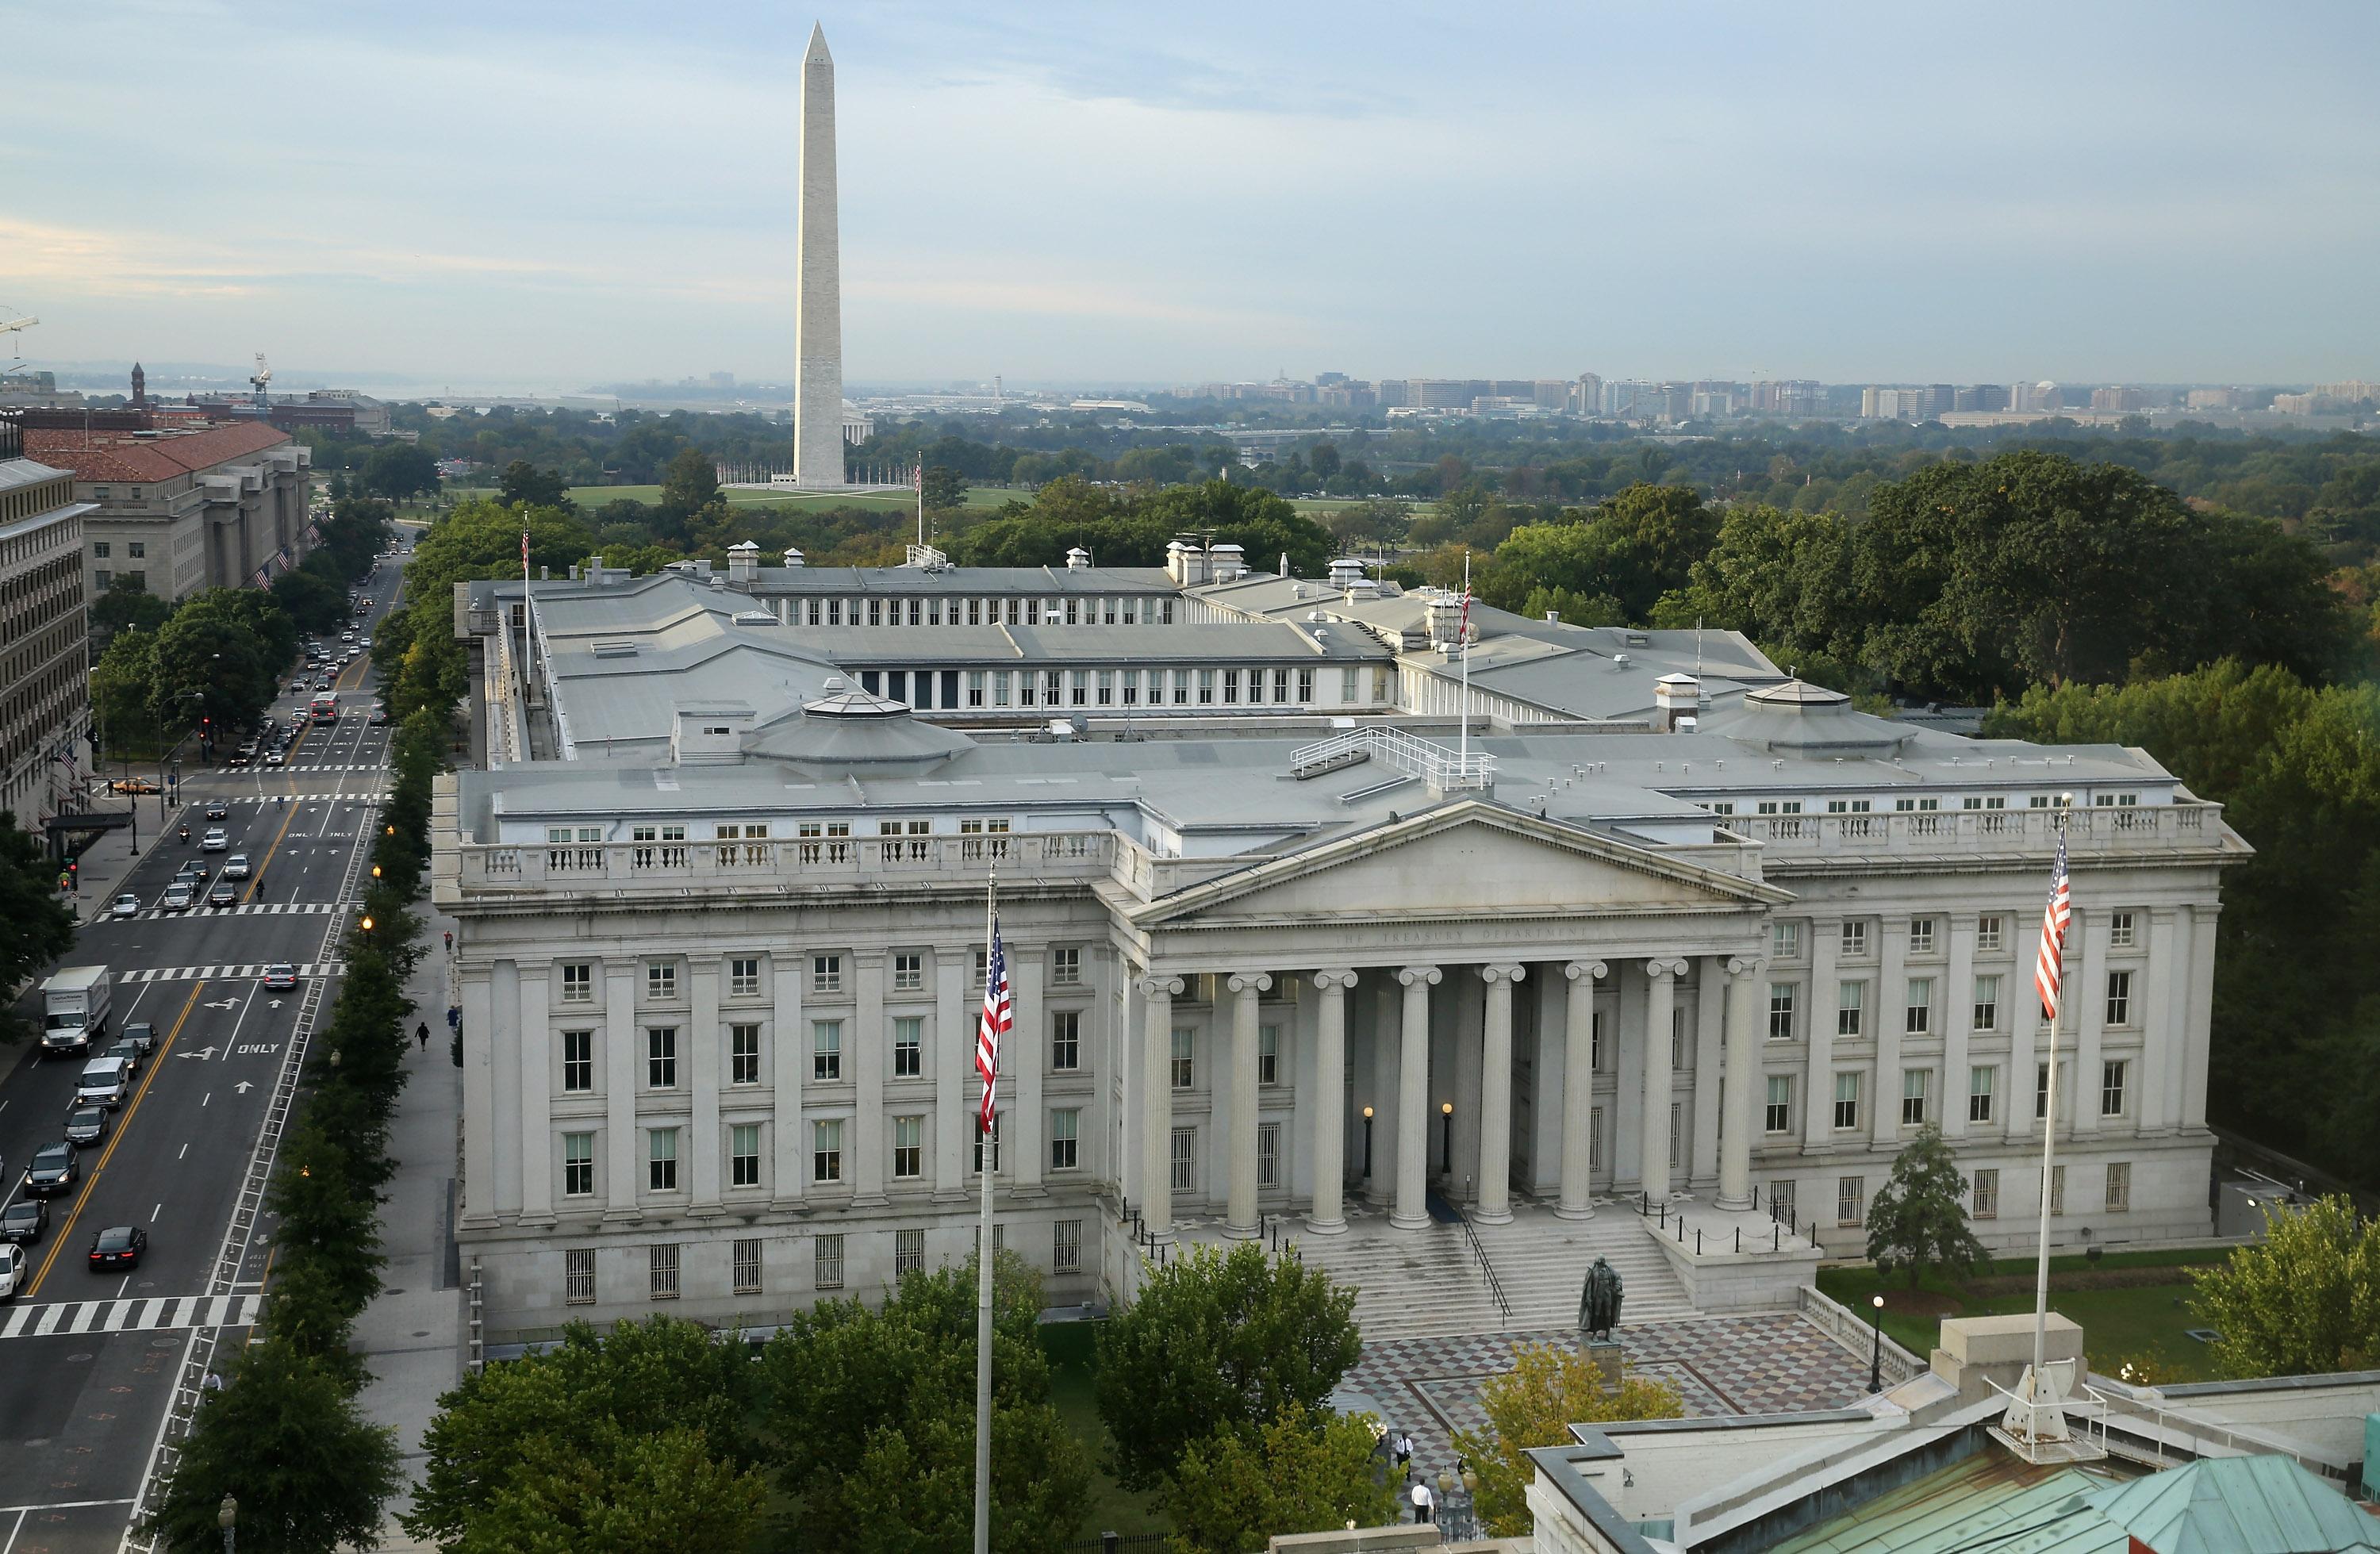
89 1363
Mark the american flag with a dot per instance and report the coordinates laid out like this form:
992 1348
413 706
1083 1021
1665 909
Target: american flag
917 476
998 1015
524 550
2054 919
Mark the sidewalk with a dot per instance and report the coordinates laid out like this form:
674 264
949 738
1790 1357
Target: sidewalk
410 1336
109 860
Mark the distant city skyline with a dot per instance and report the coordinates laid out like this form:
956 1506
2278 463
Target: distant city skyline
546 196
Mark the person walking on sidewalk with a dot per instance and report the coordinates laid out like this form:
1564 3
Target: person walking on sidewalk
450 942
1422 1501
422 1030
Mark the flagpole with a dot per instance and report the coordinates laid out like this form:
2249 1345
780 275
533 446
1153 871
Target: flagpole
2049 1159
525 663
1462 635
986 1143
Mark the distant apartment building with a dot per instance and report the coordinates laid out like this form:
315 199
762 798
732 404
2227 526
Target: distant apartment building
1982 396
1905 403
1586 395
2213 399
2045 397
2352 392
2297 403
1637 399
2116 399
44 681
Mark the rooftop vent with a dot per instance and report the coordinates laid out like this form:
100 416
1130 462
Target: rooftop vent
754 617
613 648
1078 560
792 558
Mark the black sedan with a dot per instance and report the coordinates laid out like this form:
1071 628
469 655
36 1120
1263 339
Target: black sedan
85 1125
52 1171
118 1246
141 1034
218 810
24 1221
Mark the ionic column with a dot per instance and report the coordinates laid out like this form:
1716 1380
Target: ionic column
1743 1108
1412 1210
627 1169
704 1135
1578 1092
1660 1004
536 1101
1240 1218
1330 1093
1157 1103
1494 1204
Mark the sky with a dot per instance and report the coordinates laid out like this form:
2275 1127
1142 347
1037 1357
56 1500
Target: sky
544 196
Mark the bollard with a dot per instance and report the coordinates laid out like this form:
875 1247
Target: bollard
1739 1238
1776 1237
1698 1242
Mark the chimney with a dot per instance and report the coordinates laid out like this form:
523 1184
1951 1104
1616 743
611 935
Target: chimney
1226 563
743 563
792 559
1185 564
1675 702
1078 560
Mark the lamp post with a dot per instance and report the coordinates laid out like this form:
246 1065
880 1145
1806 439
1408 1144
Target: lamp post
1876 1355
1368 1144
227 1518
1446 1136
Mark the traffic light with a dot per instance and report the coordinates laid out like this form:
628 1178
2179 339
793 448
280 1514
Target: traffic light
74 876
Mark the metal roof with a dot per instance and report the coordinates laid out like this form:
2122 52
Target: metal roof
2237 1505
1988 1503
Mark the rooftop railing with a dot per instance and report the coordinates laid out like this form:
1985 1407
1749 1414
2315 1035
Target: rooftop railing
2188 824
1436 764
781 862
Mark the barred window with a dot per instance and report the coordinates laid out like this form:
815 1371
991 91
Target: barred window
1986 1198
579 1276
828 1263
1851 1197
1186 1160
1067 1246
908 1251
2119 1187
661 1260
1267 1155
747 1265
2058 1189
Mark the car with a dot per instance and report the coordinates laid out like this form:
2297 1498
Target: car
346 637
218 810
85 1125
363 644
223 895
118 1246
297 719
322 685
194 872
296 688
141 1034
241 757
280 974
130 1051
12 1271
236 867
379 717
22 1222
215 840
278 755
175 899
131 785
52 1171
126 905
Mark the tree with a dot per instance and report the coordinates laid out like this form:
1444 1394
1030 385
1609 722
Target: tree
619 1494
285 1438
1915 1221
1303 1473
220 656
523 483
326 1219
41 926
397 470
945 488
1535 1403
126 606
1219 1342
313 603
2304 1300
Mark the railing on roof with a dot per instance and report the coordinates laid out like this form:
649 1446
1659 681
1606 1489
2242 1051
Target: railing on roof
681 864
1434 763
926 558
2186 824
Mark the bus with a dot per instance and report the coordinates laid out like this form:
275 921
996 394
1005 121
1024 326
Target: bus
325 708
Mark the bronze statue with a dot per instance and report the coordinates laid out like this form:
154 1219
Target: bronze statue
1598 1301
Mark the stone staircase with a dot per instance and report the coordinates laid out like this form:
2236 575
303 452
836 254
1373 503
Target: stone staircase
1542 1260
1421 1284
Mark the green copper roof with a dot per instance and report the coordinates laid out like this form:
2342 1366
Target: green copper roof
2237 1505
1988 1502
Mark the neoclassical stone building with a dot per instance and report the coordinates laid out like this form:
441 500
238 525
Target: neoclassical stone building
719 995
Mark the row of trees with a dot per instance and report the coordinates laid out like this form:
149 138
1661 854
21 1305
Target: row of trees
285 1434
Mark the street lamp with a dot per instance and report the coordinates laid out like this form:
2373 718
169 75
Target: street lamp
1446 1132
1368 1144
227 1518
1876 1356
365 924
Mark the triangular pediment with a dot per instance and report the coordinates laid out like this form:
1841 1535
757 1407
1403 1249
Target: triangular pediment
1469 860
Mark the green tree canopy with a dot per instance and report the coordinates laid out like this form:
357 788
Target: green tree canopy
2304 1300
523 484
1299 1473
41 927
1535 1403
611 1492
127 605
400 470
1915 1221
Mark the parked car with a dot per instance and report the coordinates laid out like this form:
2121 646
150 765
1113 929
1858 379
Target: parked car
126 905
85 1125
22 1222
218 810
52 1171
144 1035
223 895
236 867
215 840
280 974
118 1246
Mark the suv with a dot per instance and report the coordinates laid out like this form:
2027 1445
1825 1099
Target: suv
52 1171
236 867
215 840
22 1222
218 810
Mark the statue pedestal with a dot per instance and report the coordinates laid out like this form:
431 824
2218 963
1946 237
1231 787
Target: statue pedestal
1603 1354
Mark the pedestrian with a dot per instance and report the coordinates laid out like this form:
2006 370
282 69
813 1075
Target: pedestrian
422 1030
1404 1449
450 942
1422 1501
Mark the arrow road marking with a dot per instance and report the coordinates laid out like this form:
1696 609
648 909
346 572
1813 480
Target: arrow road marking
243 1086
203 1054
227 1004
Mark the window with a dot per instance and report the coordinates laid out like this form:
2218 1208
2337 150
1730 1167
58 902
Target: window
826 1266
1280 685
100 547
909 971
661 1057
1346 686
908 1251
2119 998
577 1060
908 1147
2111 1087
1065 1046
1851 1193
826 973
579 1276
1186 1160
1183 1069
1921 936
1914 1085
135 549
101 578
1181 688
1855 939
2119 1187
2058 1189
1919 1018
1067 1246
661 1159
1306 687
1986 1200
747 1265
825 841
744 1155
1785 940
661 1265
1847 1088
1677 1037
1780 1118
1595 1043
1267 1054
1781 1011
1848 805
975 676
743 1054
578 982
1231 687
1987 933
826 1051
908 1047
577 1165
1780 1200
2119 930
1267 1155
1676 1133
1987 1003
1065 1130
660 981
1849 997
826 1150
1067 968
1906 805
1982 1081
2040 1091
1778 807
978 1167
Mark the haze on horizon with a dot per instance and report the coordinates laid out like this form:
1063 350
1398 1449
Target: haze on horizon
548 194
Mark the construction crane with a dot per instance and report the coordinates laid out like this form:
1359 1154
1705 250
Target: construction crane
261 381
10 326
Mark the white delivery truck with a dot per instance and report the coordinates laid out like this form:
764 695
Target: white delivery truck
75 1007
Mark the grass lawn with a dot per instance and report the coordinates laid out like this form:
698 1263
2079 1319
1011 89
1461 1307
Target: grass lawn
590 498
2121 1320
1113 1509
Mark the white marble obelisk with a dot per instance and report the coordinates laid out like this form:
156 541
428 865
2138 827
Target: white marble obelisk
818 319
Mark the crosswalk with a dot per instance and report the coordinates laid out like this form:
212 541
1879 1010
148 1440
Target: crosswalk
147 1314
224 973
249 909
358 795
327 766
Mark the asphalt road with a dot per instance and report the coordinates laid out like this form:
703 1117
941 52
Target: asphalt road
81 1405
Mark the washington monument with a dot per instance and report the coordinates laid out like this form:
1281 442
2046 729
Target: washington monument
818 319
